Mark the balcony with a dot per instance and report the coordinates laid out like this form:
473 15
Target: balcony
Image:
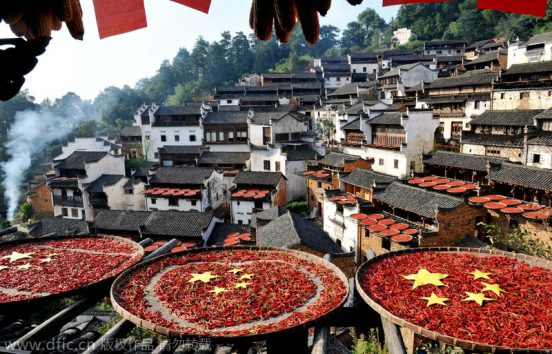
75 202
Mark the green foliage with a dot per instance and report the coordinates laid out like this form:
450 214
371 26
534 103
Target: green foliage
436 348
4 223
326 128
368 345
25 212
517 240
297 207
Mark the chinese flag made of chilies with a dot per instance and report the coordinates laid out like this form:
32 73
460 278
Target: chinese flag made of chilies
119 16
200 5
403 2
528 7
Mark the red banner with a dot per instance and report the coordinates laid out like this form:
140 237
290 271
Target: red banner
528 7
200 5
404 2
119 16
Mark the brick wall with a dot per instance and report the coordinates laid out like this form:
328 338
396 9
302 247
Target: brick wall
360 163
535 230
370 241
280 198
454 225
41 201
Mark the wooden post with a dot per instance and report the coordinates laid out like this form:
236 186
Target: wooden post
321 340
392 332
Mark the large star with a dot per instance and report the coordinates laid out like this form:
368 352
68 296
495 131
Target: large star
479 298
495 288
15 256
242 285
218 290
424 277
480 275
24 266
435 300
246 276
204 277
235 270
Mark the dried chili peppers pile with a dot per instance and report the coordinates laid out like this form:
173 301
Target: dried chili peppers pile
51 267
521 317
241 292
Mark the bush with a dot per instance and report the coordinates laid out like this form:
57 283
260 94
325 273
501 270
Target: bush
370 345
297 207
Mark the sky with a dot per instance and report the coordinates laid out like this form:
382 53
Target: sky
86 67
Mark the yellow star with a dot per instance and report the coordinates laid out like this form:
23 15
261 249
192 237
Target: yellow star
15 256
479 298
4 267
46 260
495 288
218 290
204 277
246 276
235 270
480 275
24 266
435 300
242 285
53 255
424 277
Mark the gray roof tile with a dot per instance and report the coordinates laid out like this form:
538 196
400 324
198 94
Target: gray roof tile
181 175
103 181
335 159
462 161
507 118
525 176
366 179
258 178
79 159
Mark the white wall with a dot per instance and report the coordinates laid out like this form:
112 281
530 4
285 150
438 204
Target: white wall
242 211
162 203
545 153
256 134
538 99
85 144
339 226
333 83
368 68
518 54
108 165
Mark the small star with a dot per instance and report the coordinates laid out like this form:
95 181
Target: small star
24 266
218 290
235 270
424 277
46 260
15 256
246 276
480 275
479 298
435 300
495 288
3 268
242 285
204 277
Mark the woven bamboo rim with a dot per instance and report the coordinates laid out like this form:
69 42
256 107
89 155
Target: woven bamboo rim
457 342
85 288
156 328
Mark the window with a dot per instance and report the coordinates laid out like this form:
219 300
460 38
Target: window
364 69
64 211
534 77
173 201
502 96
221 136
177 138
354 71
338 79
477 104
396 164
153 201
536 158
213 136
229 101
258 204
194 202
208 137
277 166
381 162
231 136
266 165
549 93
240 222
523 95
75 213
147 136
319 184
163 138
156 155
439 52
412 165
128 190
192 137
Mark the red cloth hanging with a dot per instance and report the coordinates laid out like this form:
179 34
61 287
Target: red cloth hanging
119 16
403 2
528 7
200 5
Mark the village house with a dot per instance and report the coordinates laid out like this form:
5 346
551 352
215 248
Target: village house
445 47
351 94
477 48
131 142
500 134
99 143
188 226
396 81
363 183
58 226
179 155
278 126
538 48
170 126
282 79
253 191
494 61
185 189
40 196
113 192
364 63
227 131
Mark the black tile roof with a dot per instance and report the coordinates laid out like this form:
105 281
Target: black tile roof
186 224
466 79
264 118
512 118
268 215
258 178
513 141
192 108
529 68
485 58
525 176
59 226
462 161
397 71
131 131
79 159
353 125
540 38
291 230
546 114
416 200
221 117
479 44
335 159
180 149
181 175
233 158
366 179
460 98
542 138
387 119
103 181
300 152
223 229
346 90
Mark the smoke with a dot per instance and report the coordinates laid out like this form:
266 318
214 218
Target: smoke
30 134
